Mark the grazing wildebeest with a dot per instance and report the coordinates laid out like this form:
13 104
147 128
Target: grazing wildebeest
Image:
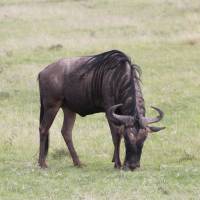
107 82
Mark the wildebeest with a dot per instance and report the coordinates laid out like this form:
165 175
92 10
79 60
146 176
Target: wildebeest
107 82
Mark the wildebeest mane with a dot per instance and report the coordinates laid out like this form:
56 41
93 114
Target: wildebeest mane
109 60
102 63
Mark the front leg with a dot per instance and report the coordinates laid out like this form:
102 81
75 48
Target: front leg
116 155
116 137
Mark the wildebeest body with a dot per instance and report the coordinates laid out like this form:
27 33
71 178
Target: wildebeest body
88 85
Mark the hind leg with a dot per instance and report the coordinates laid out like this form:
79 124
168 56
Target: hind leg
46 145
46 122
68 123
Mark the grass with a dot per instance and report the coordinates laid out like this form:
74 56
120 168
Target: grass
161 36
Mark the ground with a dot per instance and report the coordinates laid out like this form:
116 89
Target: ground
162 36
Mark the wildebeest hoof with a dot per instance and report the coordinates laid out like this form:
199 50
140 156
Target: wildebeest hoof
131 167
43 165
117 166
125 168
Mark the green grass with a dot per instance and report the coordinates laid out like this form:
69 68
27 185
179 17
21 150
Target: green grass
161 36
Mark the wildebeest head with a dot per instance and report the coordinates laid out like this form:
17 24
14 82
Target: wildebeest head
135 131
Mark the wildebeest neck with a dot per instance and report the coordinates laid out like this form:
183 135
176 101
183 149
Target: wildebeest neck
124 89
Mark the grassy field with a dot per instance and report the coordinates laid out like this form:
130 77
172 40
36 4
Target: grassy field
162 36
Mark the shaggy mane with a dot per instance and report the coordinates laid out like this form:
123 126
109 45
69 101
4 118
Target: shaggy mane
109 60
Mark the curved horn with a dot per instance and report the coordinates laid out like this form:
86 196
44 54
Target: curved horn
147 120
155 129
118 119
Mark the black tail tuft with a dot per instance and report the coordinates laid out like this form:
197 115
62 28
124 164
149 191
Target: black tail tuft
41 103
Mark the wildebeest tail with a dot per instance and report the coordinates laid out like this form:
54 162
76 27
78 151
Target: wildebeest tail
41 110
41 102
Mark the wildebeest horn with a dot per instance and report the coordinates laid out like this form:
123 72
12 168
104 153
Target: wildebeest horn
147 120
118 119
155 129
